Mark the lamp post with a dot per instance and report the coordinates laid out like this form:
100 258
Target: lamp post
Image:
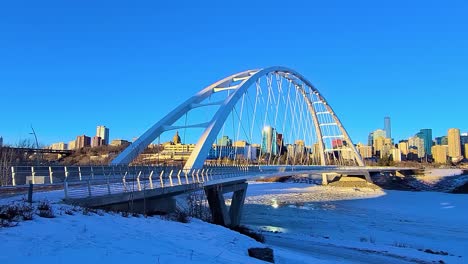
37 143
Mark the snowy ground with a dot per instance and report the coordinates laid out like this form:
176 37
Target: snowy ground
302 223
348 225
112 238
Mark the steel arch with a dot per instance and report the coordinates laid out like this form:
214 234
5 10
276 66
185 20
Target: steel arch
199 154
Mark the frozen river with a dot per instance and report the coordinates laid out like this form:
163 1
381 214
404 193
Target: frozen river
346 225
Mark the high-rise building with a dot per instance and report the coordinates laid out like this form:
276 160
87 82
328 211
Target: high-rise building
403 147
439 153
379 133
1 142
418 144
370 139
396 154
426 135
96 141
454 147
82 141
365 151
382 146
463 141
280 144
103 132
269 144
466 150
225 141
387 127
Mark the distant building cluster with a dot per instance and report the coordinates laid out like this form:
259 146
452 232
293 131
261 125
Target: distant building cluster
100 139
449 149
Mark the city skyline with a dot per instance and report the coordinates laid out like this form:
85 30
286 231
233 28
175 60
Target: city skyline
364 53
169 136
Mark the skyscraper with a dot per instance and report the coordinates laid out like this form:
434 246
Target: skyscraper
466 151
439 153
269 142
1 142
103 133
418 144
426 135
387 127
454 146
370 139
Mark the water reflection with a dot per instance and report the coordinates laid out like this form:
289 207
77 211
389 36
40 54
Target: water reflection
273 229
305 206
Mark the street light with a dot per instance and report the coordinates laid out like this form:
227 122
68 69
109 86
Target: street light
35 136
37 143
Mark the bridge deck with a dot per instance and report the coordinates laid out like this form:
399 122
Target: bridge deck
98 185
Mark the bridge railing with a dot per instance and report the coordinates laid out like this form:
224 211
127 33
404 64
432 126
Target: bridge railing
92 181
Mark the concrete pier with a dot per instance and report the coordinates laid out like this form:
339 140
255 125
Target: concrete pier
221 215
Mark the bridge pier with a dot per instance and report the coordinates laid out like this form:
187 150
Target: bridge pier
220 213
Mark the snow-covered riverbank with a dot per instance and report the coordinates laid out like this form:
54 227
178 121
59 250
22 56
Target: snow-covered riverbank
302 223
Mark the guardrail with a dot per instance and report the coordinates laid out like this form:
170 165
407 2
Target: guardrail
91 181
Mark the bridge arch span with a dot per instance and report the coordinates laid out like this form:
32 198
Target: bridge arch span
237 86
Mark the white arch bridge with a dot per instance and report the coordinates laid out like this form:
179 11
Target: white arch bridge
271 116
260 123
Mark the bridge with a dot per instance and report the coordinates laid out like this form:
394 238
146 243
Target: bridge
41 151
255 124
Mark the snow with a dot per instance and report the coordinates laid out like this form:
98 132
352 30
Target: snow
303 223
113 238
396 226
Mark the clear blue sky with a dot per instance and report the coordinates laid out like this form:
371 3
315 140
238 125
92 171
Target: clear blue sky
67 66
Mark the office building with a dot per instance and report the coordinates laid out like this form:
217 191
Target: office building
466 150
225 141
279 144
370 139
454 146
82 141
103 133
396 154
269 141
440 153
403 147
382 146
387 127
1 142
379 133
426 135
364 150
441 140
417 143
